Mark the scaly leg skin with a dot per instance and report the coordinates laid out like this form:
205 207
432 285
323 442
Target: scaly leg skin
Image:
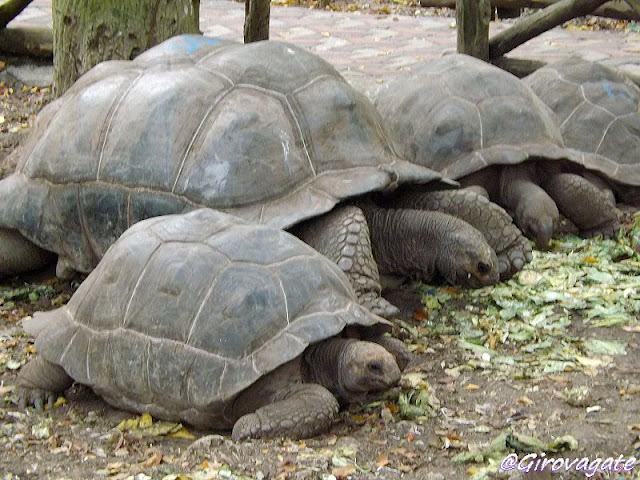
511 246
342 235
19 255
479 189
582 202
305 410
426 245
40 381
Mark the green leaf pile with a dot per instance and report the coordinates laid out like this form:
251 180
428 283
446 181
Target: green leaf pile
546 319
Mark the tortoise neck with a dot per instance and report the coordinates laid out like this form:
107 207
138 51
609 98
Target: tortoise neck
325 363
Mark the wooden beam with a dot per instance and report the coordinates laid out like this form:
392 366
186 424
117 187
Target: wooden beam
539 22
520 67
472 19
634 4
27 41
10 9
620 10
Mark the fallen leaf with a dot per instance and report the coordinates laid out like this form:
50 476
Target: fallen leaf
630 390
382 460
343 472
153 460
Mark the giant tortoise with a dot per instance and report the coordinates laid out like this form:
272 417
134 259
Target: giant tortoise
482 126
266 131
207 319
598 110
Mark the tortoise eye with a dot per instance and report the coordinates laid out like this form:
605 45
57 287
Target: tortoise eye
483 268
375 367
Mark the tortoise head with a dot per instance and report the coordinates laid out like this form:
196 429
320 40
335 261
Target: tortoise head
366 367
537 218
471 261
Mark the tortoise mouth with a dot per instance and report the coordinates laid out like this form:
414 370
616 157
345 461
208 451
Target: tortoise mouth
479 273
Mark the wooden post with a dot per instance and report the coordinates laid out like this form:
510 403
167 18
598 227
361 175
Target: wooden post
472 18
86 32
533 25
256 20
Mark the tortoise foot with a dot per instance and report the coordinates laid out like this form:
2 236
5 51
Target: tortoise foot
378 305
40 382
587 206
305 410
512 260
28 396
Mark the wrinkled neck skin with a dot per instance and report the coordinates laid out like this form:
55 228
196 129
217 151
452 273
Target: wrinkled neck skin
350 368
419 244
324 364
404 242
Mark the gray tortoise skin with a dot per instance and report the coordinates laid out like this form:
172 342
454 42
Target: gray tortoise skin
598 111
207 319
478 124
265 131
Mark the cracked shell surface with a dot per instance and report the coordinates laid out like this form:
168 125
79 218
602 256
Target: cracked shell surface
266 131
204 306
598 110
449 114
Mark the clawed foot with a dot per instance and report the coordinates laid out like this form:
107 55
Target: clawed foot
514 259
378 305
248 426
607 231
35 396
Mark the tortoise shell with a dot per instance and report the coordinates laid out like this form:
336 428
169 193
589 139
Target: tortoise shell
458 115
186 311
598 110
267 131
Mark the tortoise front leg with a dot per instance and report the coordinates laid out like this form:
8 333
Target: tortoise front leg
40 381
511 246
304 410
342 235
19 255
584 203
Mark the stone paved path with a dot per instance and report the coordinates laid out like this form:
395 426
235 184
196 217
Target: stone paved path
365 47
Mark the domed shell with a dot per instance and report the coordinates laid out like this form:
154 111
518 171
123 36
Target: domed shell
458 114
186 311
598 110
267 131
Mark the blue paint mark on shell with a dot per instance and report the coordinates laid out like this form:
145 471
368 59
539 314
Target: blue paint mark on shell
187 44
617 92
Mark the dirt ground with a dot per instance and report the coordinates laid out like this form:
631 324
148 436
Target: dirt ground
547 364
